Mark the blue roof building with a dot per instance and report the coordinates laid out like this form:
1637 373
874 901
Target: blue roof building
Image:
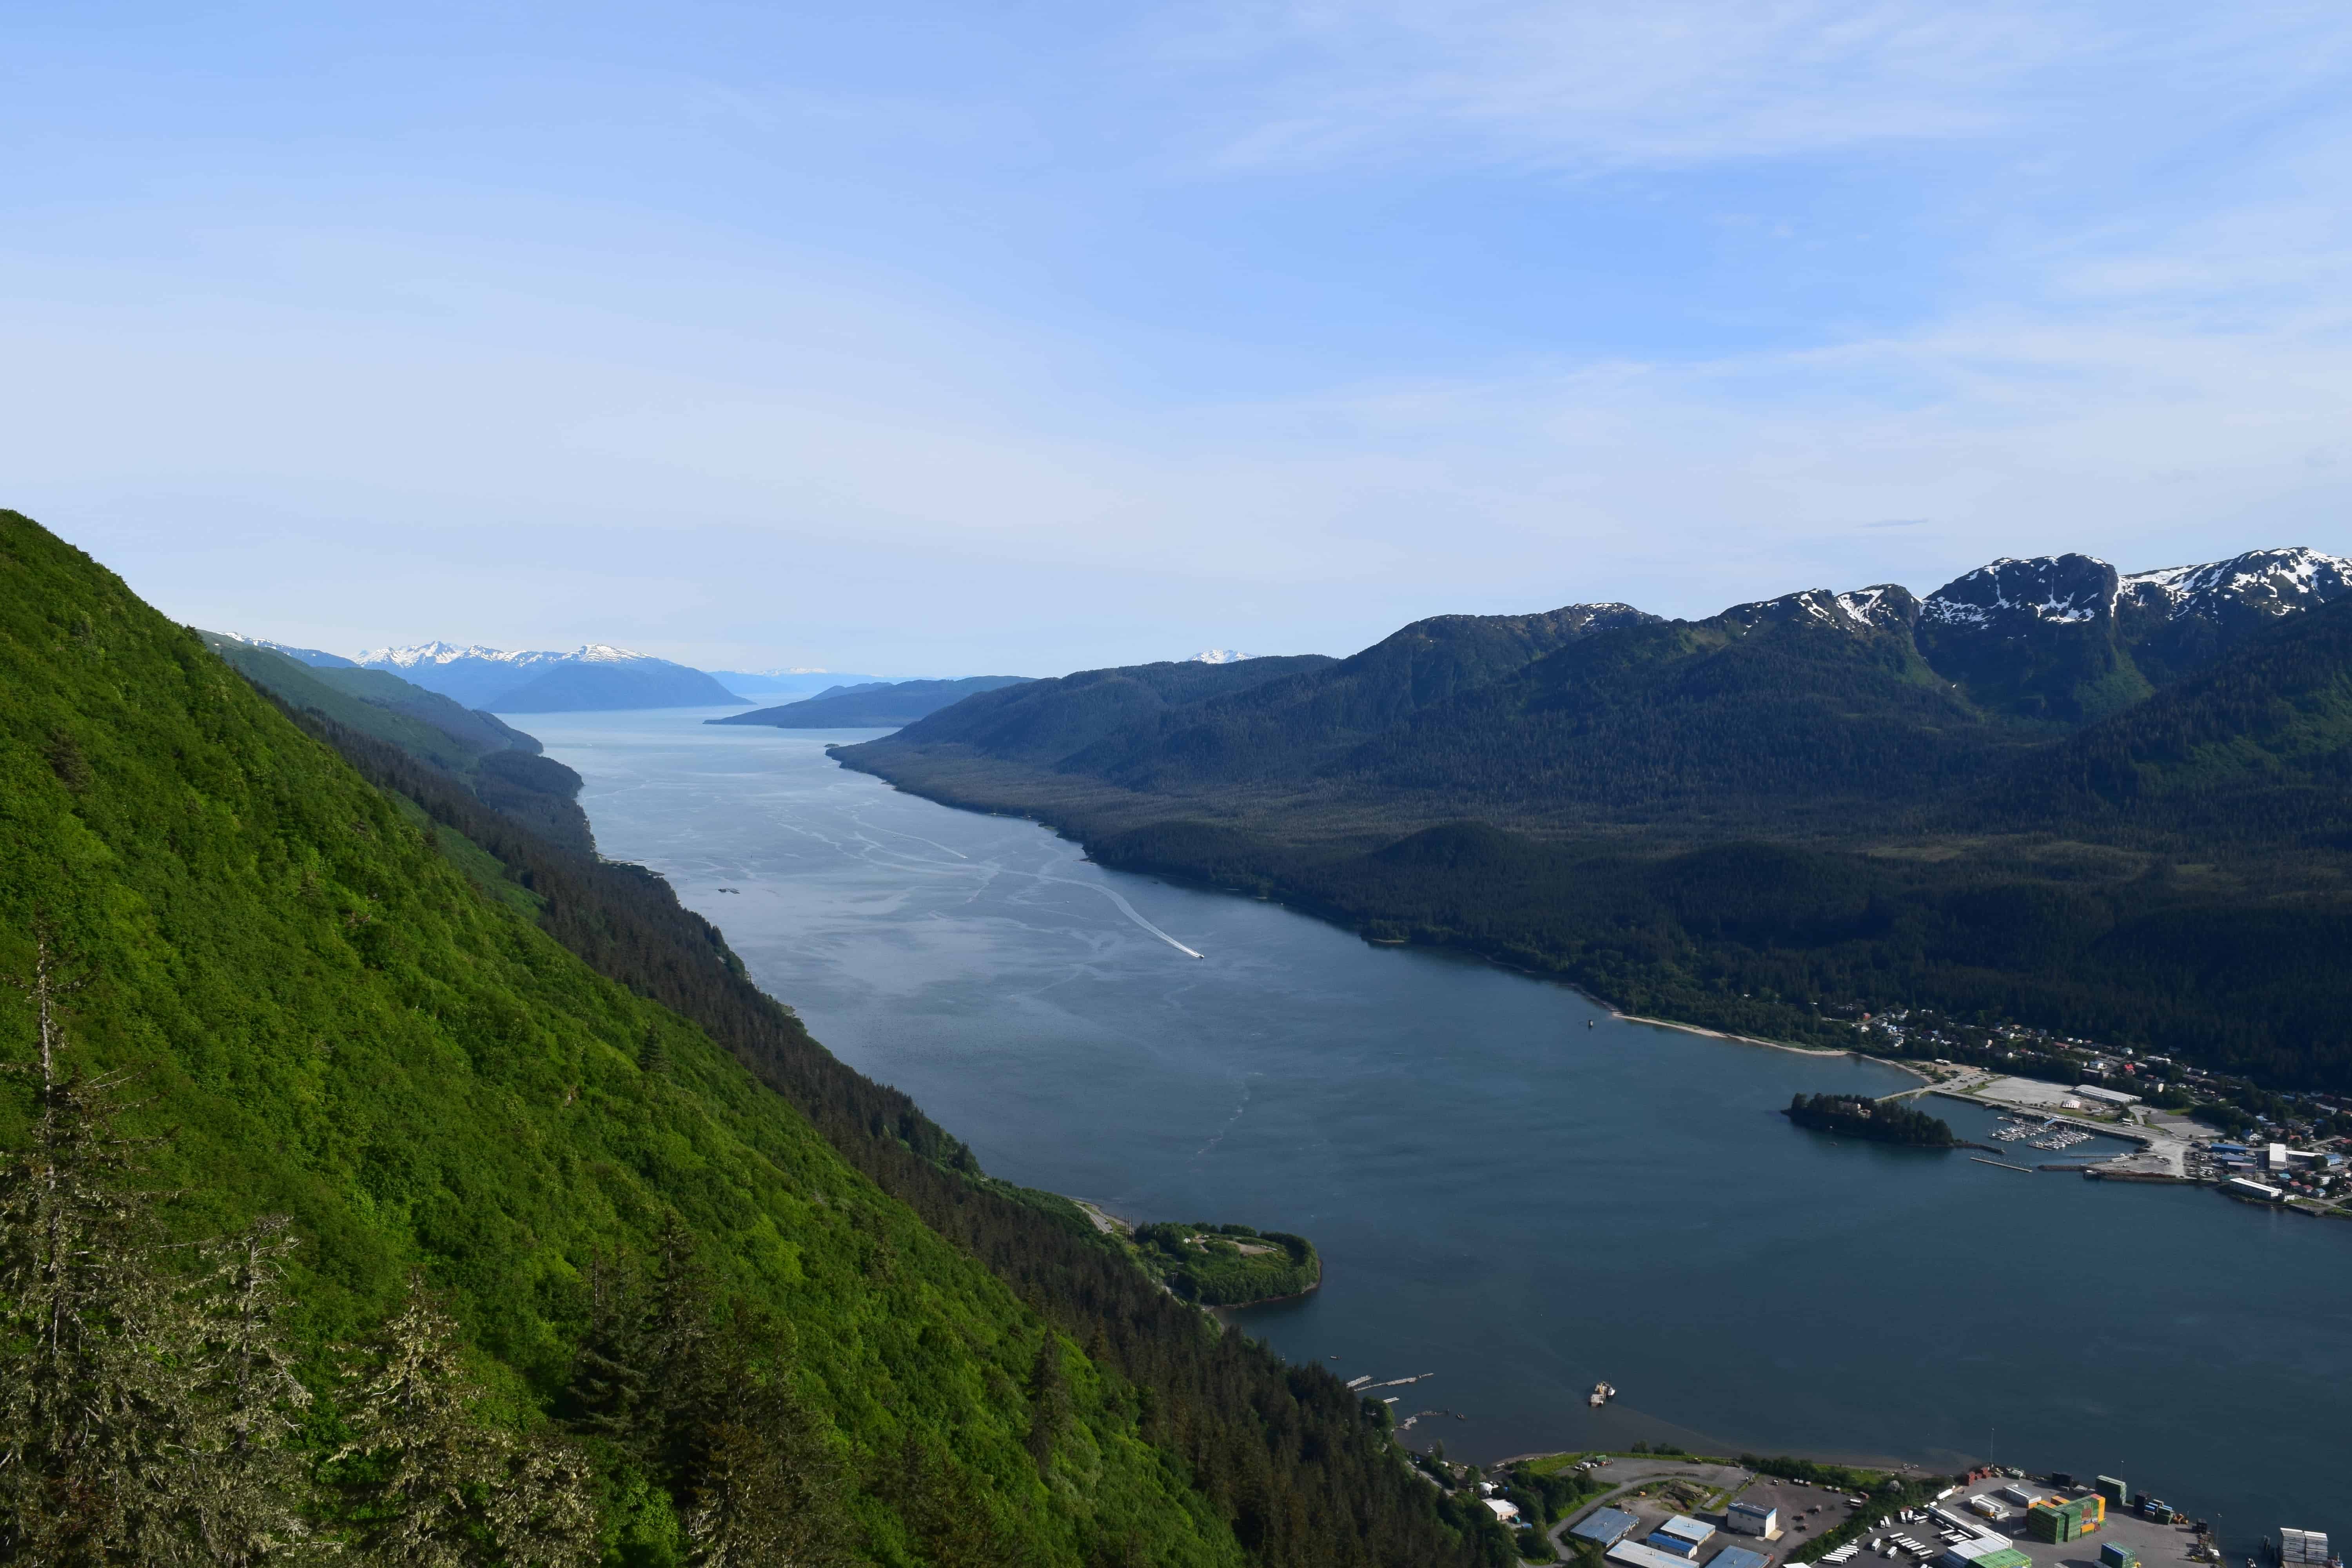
1737 1557
1603 1526
1682 1535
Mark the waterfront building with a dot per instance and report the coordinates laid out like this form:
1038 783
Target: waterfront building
1603 1526
1753 1518
1633 1554
1682 1535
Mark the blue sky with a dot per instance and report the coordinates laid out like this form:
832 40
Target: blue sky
1025 337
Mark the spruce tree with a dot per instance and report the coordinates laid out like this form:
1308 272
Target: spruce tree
1049 1402
607 1391
111 1418
431 1486
250 1480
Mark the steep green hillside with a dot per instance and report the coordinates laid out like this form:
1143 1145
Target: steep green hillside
376 703
500 763
333 1022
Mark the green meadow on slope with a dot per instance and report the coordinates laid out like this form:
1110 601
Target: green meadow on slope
334 1022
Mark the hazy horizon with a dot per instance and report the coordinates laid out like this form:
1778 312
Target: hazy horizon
910 337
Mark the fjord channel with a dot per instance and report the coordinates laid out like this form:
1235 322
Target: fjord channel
1511 1187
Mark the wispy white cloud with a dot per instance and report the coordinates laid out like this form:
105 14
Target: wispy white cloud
1605 84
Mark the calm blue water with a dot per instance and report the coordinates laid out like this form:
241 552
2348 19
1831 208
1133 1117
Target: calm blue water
1504 1196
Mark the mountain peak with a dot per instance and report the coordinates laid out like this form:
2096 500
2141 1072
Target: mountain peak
317 658
1867 609
2017 590
2271 582
1219 655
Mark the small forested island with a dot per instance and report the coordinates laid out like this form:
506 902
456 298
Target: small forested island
1227 1264
1887 1122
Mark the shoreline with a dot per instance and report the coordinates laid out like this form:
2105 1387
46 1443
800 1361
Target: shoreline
1917 1072
1109 1224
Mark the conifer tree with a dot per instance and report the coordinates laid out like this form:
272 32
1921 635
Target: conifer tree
607 1391
1049 1402
435 1488
111 1415
754 1483
249 1479
653 1056
761 1485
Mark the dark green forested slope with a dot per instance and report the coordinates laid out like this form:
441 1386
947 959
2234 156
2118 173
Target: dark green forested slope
332 1021
377 703
1592 713
1757 820
1301 724
1733 720
2255 748
1043 721
501 763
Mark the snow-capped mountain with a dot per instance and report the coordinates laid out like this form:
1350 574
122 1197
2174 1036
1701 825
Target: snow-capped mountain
442 653
2012 594
593 675
317 658
1219 655
2178 617
2067 637
1861 610
2259 581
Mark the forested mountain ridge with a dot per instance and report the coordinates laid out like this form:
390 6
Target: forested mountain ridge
498 762
436 1042
875 705
1979 801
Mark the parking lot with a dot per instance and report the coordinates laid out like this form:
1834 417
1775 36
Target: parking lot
2158 1545
1807 1512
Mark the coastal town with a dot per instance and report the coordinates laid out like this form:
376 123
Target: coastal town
1678 1511
2186 1124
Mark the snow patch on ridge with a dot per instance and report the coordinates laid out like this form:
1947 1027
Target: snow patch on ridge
2066 589
437 652
2276 581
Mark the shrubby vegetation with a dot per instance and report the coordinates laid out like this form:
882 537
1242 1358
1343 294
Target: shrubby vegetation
1228 1265
523 1117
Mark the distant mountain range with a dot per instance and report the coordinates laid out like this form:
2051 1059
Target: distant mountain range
595 677
318 658
877 705
2047 790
